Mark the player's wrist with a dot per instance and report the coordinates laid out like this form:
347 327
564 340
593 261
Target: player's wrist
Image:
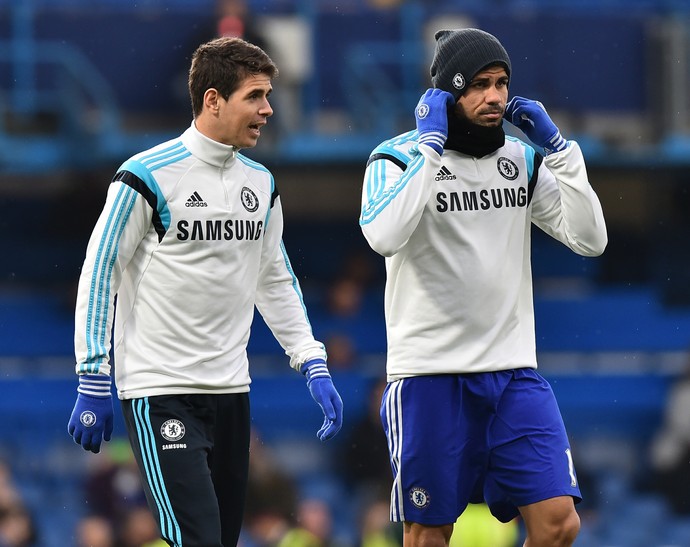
556 143
94 385
314 369
433 139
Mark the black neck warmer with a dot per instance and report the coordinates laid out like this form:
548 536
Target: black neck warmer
472 139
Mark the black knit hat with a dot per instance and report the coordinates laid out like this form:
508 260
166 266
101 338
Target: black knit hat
461 54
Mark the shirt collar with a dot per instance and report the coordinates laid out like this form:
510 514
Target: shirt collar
207 150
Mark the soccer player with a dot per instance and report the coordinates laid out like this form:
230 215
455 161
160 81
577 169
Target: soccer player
450 205
190 240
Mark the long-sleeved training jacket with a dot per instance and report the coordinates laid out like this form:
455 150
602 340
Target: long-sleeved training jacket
190 241
455 231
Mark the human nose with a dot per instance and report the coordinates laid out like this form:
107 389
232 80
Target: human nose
493 96
266 109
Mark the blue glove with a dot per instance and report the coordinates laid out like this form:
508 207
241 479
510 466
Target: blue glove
324 393
432 118
531 118
92 418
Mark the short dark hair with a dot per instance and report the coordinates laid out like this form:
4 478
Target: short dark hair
222 64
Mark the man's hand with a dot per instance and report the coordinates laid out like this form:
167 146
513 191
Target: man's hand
532 119
432 118
92 418
324 393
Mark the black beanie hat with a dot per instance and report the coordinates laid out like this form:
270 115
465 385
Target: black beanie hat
460 54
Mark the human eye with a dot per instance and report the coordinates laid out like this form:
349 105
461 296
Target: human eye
258 95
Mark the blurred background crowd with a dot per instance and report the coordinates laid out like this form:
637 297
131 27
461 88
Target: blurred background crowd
86 83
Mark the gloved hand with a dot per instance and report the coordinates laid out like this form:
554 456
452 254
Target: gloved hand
532 119
324 393
92 418
432 118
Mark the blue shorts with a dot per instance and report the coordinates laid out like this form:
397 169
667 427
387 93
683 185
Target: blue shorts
456 439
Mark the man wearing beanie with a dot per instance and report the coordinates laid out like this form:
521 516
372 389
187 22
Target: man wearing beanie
451 205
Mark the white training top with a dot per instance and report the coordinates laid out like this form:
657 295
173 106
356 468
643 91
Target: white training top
190 241
455 231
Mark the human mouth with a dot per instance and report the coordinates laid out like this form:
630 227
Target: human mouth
255 128
493 114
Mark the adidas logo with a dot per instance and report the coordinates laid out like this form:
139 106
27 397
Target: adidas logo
445 174
195 200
